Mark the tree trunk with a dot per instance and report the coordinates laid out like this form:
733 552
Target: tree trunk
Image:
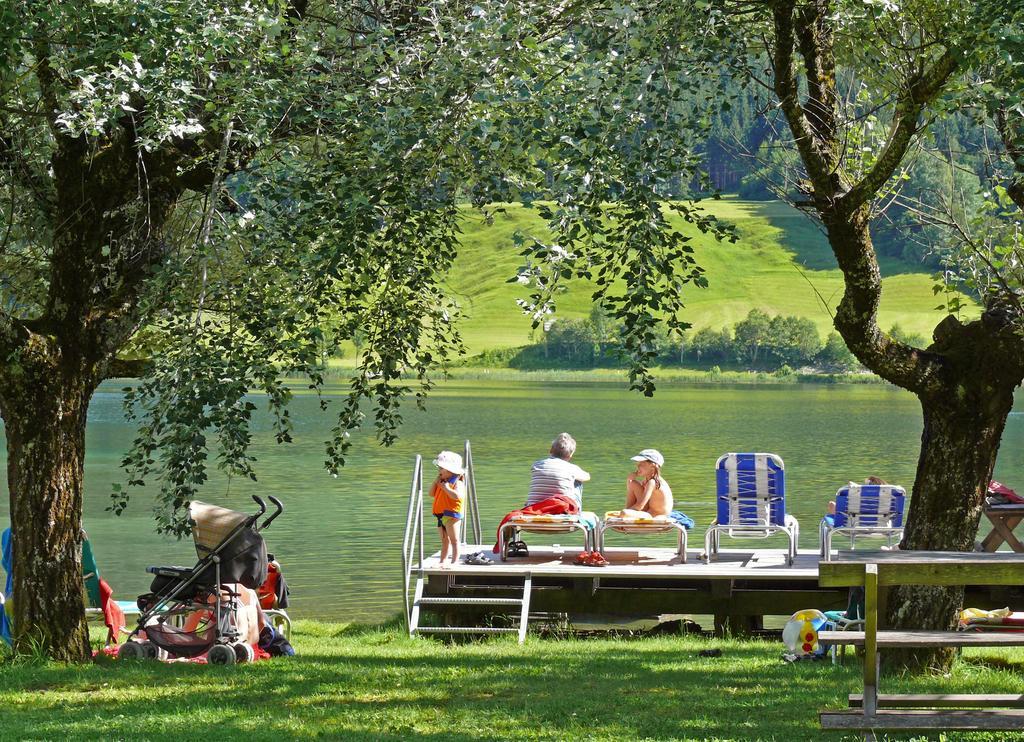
44 407
961 436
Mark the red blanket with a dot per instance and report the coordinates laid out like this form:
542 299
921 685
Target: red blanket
557 505
996 488
113 616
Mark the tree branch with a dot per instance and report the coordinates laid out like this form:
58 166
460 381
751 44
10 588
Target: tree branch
815 38
815 128
818 164
1013 140
919 92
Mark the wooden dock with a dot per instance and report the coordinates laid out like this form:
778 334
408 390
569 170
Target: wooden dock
739 589
735 592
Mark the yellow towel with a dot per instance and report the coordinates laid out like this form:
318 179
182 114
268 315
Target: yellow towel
642 518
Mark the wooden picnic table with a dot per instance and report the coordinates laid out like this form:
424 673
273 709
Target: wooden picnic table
1004 518
871 710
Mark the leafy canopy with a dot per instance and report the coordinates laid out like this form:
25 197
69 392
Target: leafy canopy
314 156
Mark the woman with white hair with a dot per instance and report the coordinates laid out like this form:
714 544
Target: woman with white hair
555 475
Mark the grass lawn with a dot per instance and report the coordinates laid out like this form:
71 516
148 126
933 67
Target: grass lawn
362 683
781 264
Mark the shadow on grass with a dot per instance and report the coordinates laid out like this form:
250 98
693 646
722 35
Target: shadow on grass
809 245
373 684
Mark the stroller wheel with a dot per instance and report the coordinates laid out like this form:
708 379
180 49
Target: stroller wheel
132 651
244 652
221 654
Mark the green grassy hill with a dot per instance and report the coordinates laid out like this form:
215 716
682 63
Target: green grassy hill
781 265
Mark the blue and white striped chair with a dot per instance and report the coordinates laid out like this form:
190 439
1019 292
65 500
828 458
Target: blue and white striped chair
864 510
751 501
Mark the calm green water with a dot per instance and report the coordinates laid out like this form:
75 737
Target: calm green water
340 540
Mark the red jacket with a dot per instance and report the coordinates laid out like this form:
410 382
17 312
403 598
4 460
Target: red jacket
557 505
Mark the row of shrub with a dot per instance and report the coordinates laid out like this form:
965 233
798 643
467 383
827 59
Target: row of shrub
759 342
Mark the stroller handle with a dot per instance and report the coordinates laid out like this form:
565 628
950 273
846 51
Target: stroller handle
263 507
280 509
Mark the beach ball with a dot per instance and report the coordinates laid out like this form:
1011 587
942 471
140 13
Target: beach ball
800 633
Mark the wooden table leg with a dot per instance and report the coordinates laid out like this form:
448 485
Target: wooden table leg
1002 530
871 663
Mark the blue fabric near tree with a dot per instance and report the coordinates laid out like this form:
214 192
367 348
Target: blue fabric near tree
8 558
750 513
881 505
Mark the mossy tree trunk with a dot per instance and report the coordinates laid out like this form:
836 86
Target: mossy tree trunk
44 410
965 379
105 244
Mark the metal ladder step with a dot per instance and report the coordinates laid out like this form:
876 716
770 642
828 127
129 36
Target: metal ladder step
470 601
464 630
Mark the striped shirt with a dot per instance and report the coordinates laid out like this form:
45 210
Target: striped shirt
554 476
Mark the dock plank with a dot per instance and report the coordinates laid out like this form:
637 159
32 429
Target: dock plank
766 564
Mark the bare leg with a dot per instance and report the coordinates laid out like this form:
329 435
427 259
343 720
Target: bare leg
444 543
453 539
831 507
634 494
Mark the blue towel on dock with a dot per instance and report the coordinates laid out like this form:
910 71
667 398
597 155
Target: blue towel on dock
682 519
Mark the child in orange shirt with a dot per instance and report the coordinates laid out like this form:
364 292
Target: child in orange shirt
449 492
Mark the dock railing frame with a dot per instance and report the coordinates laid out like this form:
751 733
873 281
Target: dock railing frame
412 544
413 532
471 518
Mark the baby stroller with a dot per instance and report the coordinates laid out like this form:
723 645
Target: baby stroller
192 610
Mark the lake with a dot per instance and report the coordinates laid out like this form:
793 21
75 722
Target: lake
339 542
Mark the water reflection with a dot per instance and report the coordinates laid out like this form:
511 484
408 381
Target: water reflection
339 541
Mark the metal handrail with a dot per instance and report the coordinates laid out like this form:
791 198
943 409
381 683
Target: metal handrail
473 511
414 524
409 543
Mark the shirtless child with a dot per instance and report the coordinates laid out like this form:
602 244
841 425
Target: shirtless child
646 490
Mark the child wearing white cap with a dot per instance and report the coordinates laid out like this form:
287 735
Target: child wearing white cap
449 492
646 490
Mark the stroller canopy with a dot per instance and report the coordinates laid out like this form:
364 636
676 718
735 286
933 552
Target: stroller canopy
232 537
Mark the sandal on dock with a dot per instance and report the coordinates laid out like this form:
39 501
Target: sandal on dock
596 560
517 549
478 560
582 559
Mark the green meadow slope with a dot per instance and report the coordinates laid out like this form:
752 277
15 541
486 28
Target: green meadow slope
781 264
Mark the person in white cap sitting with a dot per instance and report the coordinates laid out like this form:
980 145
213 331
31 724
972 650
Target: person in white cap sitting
646 490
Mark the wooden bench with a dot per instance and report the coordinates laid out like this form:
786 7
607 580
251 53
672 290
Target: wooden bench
870 711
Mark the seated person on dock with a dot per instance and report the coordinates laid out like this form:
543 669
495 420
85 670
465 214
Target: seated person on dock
556 476
647 492
830 516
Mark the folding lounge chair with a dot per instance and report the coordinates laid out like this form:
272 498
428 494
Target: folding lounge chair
864 510
852 619
273 597
751 501
585 521
642 526
91 585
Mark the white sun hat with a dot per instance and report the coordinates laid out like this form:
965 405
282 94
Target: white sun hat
650 454
451 461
